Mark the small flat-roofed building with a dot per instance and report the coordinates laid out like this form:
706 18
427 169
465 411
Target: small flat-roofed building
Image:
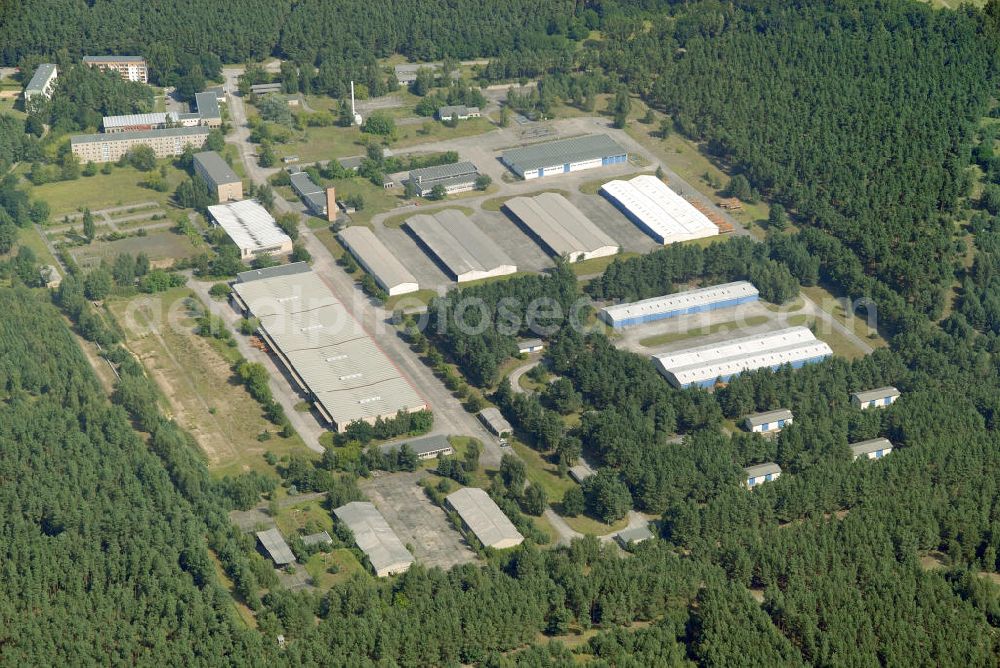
761 473
324 349
633 536
657 210
378 261
460 248
321 538
876 448
454 178
166 143
527 346
221 179
51 278
559 227
209 112
726 295
42 83
406 73
351 163
373 536
266 88
769 422
458 112
563 156
276 547
483 517
495 421
313 195
131 68
251 228
705 365
877 398
579 473
427 447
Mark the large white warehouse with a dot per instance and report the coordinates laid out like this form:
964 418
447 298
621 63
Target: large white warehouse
251 228
374 537
378 261
324 348
560 228
680 303
657 210
461 248
703 365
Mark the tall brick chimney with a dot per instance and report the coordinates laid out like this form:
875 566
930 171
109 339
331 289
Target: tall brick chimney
331 204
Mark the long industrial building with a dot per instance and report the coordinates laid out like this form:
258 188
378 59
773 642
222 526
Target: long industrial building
378 260
657 210
324 348
167 143
131 68
483 517
459 246
251 228
702 366
726 295
454 178
373 536
43 82
563 156
560 228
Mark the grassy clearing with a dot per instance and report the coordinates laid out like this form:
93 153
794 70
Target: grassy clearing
412 301
591 525
162 246
30 238
303 518
398 220
671 337
122 186
543 473
825 300
433 131
598 264
377 199
329 239
342 561
198 385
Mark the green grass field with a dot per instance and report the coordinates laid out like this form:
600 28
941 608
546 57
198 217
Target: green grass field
160 246
671 337
122 186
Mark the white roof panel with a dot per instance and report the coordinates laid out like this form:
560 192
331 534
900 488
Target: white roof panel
679 300
669 216
248 224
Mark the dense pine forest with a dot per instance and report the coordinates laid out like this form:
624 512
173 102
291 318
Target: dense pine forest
862 118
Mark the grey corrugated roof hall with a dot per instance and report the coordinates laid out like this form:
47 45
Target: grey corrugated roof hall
375 538
218 170
276 547
495 421
207 104
484 518
424 448
378 260
321 538
561 151
560 227
460 245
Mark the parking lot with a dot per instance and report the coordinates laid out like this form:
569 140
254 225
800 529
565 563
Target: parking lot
417 522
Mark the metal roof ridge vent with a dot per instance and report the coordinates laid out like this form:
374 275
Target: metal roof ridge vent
311 328
336 358
369 399
350 376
